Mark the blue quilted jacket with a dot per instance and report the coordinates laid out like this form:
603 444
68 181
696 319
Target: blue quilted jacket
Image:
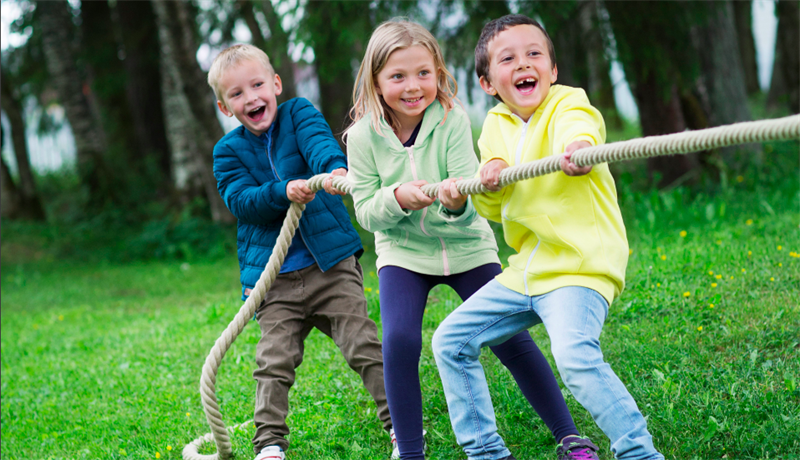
252 176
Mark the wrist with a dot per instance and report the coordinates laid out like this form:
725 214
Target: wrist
397 198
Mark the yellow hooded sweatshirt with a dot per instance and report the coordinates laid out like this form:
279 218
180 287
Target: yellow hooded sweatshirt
567 231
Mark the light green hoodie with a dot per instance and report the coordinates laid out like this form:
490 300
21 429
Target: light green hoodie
431 241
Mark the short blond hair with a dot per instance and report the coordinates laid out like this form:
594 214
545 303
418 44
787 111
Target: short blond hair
230 58
389 37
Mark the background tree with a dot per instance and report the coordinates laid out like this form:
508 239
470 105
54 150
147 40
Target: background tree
24 202
138 33
743 19
785 86
189 107
58 32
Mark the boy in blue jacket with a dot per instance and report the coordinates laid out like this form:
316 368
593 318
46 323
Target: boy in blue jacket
261 167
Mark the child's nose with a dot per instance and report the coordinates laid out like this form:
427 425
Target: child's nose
412 85
523 63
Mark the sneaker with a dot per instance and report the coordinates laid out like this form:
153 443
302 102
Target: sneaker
396 450
575 448
271 453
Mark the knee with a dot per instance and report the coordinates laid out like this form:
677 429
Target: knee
402 341
445 343
573 358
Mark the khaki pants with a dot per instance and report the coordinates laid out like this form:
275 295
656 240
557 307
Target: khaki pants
298 301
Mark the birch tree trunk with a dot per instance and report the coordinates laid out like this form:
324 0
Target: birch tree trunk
743 17
189 108
57 32
9 193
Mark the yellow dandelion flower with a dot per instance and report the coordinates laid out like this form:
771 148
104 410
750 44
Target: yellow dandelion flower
367 289
372 274
658 284
719 277
169 447
699 328
687 294
731 276
711 305
749 253
188 414
780 264
683 233
780 248
739 179
158 454
713 285
61 317
663 257
630 251
749 222
772 278
710 272
744 271
377 291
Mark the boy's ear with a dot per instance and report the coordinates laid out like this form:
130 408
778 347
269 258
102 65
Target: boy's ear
224 109
555 74
487 86
278 85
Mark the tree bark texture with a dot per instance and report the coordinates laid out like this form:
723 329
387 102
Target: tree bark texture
57 32
743 17
594 24
139 36
188 106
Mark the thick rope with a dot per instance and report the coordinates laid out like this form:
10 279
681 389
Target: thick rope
669 144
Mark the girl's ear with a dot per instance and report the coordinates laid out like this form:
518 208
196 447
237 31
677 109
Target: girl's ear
378 90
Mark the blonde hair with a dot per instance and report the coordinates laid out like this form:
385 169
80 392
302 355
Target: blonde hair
389 37
231 57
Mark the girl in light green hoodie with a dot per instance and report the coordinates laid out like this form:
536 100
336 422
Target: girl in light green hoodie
407 132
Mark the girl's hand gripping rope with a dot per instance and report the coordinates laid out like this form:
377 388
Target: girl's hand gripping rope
410 196
449 195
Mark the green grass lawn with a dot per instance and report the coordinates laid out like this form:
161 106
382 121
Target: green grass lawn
101 360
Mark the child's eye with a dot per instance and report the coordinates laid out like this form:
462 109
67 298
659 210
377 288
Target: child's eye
534 53
396 76
507 58
258 84
424 73
236 93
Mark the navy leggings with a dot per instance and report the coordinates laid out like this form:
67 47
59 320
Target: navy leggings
403 297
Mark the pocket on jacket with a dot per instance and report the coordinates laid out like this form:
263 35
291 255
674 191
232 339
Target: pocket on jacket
560 255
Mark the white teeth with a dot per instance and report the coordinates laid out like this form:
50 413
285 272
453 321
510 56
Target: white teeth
527 80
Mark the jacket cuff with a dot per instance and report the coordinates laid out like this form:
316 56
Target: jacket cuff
279 193
390 202
335 164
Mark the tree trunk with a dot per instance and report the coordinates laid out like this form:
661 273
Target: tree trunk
277 47
599 86
188 107
335 55
57 30
743 17
787 45
9 193
645 42
139 36
30 204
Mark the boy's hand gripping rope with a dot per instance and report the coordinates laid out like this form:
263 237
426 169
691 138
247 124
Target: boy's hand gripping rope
669 144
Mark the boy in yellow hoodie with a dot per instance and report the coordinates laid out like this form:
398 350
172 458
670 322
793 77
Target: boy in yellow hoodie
571 250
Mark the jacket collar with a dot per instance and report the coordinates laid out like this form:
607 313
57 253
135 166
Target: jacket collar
503 110
260 142
432 118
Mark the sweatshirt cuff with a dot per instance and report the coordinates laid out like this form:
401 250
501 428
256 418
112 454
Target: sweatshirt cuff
390 202
335 164
463 216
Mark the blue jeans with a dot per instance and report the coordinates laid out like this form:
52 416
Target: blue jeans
573 317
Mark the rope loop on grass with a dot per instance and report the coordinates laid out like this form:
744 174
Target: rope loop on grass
669 144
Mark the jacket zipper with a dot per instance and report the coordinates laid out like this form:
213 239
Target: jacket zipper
445 263
530 258
275 171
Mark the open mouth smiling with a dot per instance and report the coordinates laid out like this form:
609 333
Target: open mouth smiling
256 113
412 101
526 85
